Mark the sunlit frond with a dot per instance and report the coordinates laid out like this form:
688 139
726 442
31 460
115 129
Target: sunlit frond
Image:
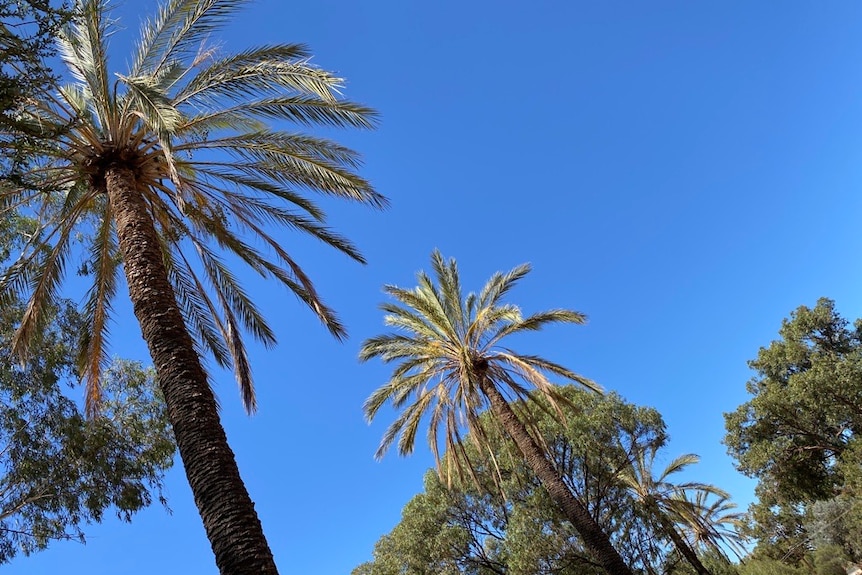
178 30
83 48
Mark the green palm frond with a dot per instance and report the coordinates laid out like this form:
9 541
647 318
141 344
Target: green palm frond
710 520
193 126
198 309
178 31
444 344
153 106
269 69
83 49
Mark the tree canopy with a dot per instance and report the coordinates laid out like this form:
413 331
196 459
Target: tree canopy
799 433
28 30
60 470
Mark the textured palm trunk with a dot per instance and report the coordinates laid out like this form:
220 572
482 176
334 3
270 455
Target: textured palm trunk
594 538
683 547
228 514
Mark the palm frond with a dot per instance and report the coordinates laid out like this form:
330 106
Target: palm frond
42 269
536 322
450 297
178 30
500 284
403 318
93 355
198 308
428 307
275 157
156 111
83 48
234 299
265 70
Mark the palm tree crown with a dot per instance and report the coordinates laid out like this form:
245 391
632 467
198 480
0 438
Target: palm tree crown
446 343
639 478
712 523
190 126
667 502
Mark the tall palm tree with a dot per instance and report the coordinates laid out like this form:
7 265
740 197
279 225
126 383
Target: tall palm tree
662 500
163 172
451 367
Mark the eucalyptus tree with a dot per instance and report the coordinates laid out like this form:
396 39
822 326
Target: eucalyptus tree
451 366
165 172
60 470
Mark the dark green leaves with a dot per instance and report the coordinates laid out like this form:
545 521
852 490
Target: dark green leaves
60 470
799 433
806 405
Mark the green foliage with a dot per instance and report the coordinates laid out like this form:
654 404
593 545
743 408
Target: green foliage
767 566
510 525
28 30
830 560
714 562
835 524
799 435
428 539
807 405
61 470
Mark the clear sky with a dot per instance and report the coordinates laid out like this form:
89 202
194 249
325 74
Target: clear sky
685 173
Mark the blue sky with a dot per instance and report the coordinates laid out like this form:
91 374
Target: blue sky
684 173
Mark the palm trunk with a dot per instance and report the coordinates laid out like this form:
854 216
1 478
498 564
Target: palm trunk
228 514
594 538
682 546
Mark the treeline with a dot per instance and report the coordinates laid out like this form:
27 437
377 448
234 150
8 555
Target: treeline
798 435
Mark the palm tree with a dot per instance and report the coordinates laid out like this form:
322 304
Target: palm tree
711 523
163 172
451 367
664 501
